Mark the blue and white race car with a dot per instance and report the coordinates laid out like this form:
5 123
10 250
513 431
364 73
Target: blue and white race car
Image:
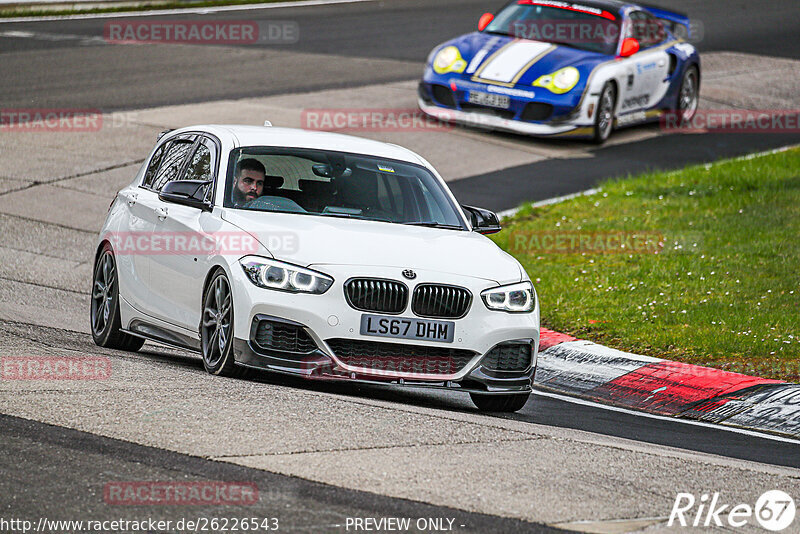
548 67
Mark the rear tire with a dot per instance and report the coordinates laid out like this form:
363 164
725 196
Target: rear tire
499 403
105 322
216 328
688 96
604 119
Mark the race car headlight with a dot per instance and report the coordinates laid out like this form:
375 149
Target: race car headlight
449 59
561 81
516 298
273 274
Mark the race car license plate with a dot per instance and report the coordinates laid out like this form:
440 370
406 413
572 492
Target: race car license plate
488 99
407 328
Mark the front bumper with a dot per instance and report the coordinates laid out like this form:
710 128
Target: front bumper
318 365
564 118
326 319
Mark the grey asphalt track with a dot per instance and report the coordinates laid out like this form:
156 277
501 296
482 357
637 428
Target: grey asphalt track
50 463
60 472
61 68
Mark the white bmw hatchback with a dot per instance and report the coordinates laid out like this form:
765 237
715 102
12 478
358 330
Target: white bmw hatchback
317 255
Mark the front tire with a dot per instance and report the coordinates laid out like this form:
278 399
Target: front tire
604 119
106 325
499 403
216 328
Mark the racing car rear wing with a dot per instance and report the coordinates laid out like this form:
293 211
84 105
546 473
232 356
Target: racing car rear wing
678 23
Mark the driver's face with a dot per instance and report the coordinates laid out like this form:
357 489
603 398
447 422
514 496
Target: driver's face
250 184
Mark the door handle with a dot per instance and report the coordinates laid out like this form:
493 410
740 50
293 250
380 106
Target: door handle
161 211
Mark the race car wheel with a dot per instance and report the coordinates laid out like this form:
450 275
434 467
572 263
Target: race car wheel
604 120
216 328
499 403
688 95
106 324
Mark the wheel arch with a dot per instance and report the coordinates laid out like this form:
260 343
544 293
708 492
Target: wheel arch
100 247
212 272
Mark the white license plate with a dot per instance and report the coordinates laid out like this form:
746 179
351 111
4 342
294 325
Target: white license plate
407 328
488 99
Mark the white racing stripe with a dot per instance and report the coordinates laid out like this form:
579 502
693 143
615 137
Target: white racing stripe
510 60
188 11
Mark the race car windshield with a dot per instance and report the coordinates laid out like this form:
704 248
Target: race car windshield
337 184
571 24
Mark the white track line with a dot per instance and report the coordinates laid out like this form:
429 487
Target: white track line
716 426
556 200
547 202
748 157
192 11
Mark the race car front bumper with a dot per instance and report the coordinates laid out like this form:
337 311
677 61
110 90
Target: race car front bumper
529 113
492 122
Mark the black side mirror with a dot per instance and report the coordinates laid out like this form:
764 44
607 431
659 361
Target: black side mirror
483 221
186 192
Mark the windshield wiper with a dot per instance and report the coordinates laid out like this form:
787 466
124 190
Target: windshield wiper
353 216
434 224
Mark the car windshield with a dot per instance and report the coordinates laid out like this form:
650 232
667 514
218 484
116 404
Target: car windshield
572 24
337 184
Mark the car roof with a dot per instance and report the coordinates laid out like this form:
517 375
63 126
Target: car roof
609 5
244 135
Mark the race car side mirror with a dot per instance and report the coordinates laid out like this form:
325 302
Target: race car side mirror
484 21
629 47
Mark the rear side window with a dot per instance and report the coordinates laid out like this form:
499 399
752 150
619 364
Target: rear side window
203 164
172 163
150 174
200 166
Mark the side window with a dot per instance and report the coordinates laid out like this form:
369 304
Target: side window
647 29
203 164
174 157
200 165
150 174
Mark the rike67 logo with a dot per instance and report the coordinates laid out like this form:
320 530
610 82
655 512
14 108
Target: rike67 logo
775 510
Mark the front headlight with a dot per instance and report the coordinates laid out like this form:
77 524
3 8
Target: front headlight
561 81
273 274
515 298
449 60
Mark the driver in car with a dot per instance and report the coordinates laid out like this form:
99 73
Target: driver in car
249 183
